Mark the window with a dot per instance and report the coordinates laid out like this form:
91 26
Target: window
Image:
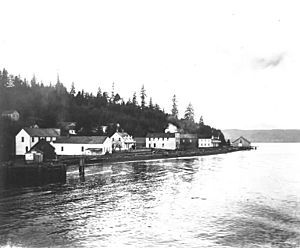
163 144
113 139
62 148
82 148
22 139
119 139
32 139
26 148
154 145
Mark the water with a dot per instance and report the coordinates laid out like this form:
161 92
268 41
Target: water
242 199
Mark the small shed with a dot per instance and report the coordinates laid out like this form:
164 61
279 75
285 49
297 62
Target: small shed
46 148
241 142
34 156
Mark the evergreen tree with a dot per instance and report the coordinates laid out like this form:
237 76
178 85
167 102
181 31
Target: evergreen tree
134 101
33 81
189 113
99 92
112 97
72 91
143 97
201 122
174 107
151 103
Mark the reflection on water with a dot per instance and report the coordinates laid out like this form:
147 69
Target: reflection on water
244 199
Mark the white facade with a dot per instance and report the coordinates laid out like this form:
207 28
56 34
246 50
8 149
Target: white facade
162 141
24 141
122 141
205 143
211 142
75 149
171 128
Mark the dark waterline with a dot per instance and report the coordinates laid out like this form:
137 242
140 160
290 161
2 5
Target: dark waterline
243 199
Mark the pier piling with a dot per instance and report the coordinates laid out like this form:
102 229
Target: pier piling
81 166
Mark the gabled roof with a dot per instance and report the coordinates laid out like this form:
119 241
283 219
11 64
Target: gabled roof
123 134
41 145
160 135
42 132
241 138
9 112
81 140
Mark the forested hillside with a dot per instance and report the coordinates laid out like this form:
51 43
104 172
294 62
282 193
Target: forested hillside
48 105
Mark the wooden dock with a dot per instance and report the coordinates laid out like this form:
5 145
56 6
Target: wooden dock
21 174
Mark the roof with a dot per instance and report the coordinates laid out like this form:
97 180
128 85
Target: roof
160 135
243 139
42 132
188 136
123 134
81 140
41 145
140 139
8 112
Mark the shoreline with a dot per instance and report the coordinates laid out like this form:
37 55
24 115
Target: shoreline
120 157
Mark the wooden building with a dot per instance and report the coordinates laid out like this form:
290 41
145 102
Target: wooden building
167 141
241 142
12 115
122 141
82 145
28 137
188 141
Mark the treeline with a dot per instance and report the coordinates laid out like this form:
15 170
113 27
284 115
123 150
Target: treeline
48 105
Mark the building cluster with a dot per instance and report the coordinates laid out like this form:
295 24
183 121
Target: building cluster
46 143
31 142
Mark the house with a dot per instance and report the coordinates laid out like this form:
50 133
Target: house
188 141
12 115
167 141
46 148
140 142
241 142
28 137
171 128
68 127
82 145
206 142
215 141
122 141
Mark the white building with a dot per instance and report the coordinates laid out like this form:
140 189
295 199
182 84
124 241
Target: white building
167 141
209 142
171 128
82 145
122 141
28 137
205 142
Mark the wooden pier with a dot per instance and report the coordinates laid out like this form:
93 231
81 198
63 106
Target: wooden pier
32 175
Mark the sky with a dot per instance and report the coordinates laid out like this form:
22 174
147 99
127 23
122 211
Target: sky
237 62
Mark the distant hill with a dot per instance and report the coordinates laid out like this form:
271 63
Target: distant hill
268 136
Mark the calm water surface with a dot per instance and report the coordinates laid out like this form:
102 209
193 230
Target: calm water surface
242 199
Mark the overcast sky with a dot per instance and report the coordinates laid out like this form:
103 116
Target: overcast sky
237 62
